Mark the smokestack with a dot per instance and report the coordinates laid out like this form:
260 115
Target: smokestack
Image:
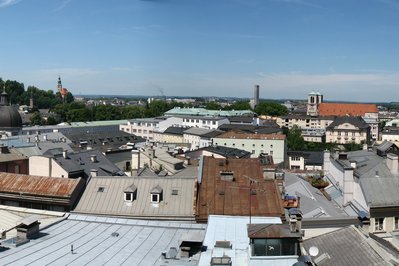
256 95
65 154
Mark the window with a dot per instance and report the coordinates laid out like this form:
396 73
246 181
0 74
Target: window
396 225
379 224
154 198
128 196
156 194
253 151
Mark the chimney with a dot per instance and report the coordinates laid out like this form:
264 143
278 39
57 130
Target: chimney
93 158
93 172
353 164
4 149
28 139
65 154
348 184
392 163
188 160
295 220
135 160
326 161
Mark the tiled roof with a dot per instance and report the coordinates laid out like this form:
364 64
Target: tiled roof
235 134
217 196
342 109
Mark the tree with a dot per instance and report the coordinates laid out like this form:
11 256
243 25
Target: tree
271 108
36 119
240 105
212 106
295 141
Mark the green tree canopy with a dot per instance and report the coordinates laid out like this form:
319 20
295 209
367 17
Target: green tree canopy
271 108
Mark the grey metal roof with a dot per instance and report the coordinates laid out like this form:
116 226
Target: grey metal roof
197 131
81 161
135 242
357 121
175 131
313 203
380 187
111 200
228 152
347 246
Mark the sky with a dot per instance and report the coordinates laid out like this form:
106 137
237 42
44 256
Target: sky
348 50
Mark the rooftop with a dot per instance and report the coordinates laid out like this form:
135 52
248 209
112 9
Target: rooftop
203 112
37 185
344 109
349 246
235 134
226 189
104 241
105 196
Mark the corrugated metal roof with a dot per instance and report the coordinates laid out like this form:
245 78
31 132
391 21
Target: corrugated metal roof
37 185
346 246
137 242
111 200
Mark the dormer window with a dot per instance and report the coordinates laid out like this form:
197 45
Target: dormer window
156 194
130 193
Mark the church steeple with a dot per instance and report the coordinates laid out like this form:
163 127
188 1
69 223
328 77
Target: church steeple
59 85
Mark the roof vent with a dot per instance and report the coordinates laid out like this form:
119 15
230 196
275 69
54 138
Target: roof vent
115 234
223 244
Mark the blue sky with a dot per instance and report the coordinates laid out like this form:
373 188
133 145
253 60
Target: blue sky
346 49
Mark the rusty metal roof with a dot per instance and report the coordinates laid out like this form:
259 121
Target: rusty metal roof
233 196
37 185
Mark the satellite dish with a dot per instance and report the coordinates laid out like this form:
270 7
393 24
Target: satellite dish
313 251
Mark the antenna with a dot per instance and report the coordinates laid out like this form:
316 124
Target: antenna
313 251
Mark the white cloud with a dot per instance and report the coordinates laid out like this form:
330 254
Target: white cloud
5 3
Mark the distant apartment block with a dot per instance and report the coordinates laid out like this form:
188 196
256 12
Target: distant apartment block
256 144
145 127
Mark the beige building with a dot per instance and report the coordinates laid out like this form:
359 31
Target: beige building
170 135
271 144
145 127
345 130
305 122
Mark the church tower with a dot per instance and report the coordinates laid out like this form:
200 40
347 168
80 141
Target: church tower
314 100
